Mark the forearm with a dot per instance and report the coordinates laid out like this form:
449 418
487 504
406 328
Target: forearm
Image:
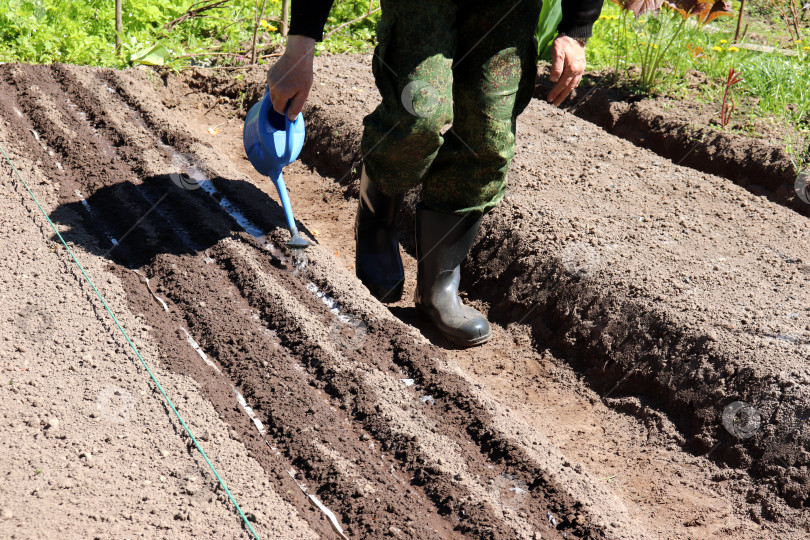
578 17
308 17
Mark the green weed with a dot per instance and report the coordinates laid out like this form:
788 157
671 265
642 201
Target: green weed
83 32
775 83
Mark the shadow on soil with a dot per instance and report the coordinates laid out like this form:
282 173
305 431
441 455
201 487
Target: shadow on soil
140 221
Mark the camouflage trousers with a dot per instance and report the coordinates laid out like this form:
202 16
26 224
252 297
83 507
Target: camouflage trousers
466 64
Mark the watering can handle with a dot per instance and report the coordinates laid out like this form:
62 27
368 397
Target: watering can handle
288 132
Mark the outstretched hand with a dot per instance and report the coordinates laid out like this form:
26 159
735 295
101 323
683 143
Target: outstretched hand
290 78
567 67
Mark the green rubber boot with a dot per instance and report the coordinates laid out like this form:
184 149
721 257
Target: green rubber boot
442 243
377 261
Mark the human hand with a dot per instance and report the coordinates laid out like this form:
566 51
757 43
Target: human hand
290 78
567 67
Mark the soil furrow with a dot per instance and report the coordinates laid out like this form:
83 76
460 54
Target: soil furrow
112 199
472 426
626 332
163 124
350 477
144 247
379 423
110 210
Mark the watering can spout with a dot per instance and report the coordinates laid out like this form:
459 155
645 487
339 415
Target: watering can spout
271 142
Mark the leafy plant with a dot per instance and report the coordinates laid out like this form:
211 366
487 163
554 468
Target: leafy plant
660 30
797 148
789 12
212 31
550 17
360 36
728 101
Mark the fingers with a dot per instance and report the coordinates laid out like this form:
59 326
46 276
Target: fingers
292 87
280 91
297 105
563 92
567 68
565 83
557 61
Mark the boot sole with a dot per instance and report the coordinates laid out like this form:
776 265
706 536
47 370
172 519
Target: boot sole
474 343
449 337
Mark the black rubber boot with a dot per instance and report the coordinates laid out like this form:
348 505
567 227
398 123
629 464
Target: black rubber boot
377 260
442 243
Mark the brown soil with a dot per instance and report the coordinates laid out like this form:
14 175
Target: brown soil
595 410
685 132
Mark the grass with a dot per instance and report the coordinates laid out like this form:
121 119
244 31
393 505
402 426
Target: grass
82 32
774 84
357 37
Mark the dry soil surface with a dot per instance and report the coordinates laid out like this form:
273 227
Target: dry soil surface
634 302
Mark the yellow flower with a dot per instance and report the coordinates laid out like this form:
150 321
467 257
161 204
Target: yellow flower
806 48
716 48
263 23
797 41
271 28
733 49
614 17
604 17
723 41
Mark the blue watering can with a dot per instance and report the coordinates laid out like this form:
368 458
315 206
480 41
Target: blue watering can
272 141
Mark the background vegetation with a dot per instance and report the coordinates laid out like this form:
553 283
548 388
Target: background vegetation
83 31
674 52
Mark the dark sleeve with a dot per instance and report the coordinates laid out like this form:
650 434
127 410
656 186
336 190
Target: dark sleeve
578 17
308 17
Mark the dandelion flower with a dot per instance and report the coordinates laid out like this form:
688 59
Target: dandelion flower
604 17
263 23
718 49
724 41
272 28
733 49
797 41
806 48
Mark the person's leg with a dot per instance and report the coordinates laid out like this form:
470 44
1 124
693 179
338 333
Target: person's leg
412 68
493 81
494 74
